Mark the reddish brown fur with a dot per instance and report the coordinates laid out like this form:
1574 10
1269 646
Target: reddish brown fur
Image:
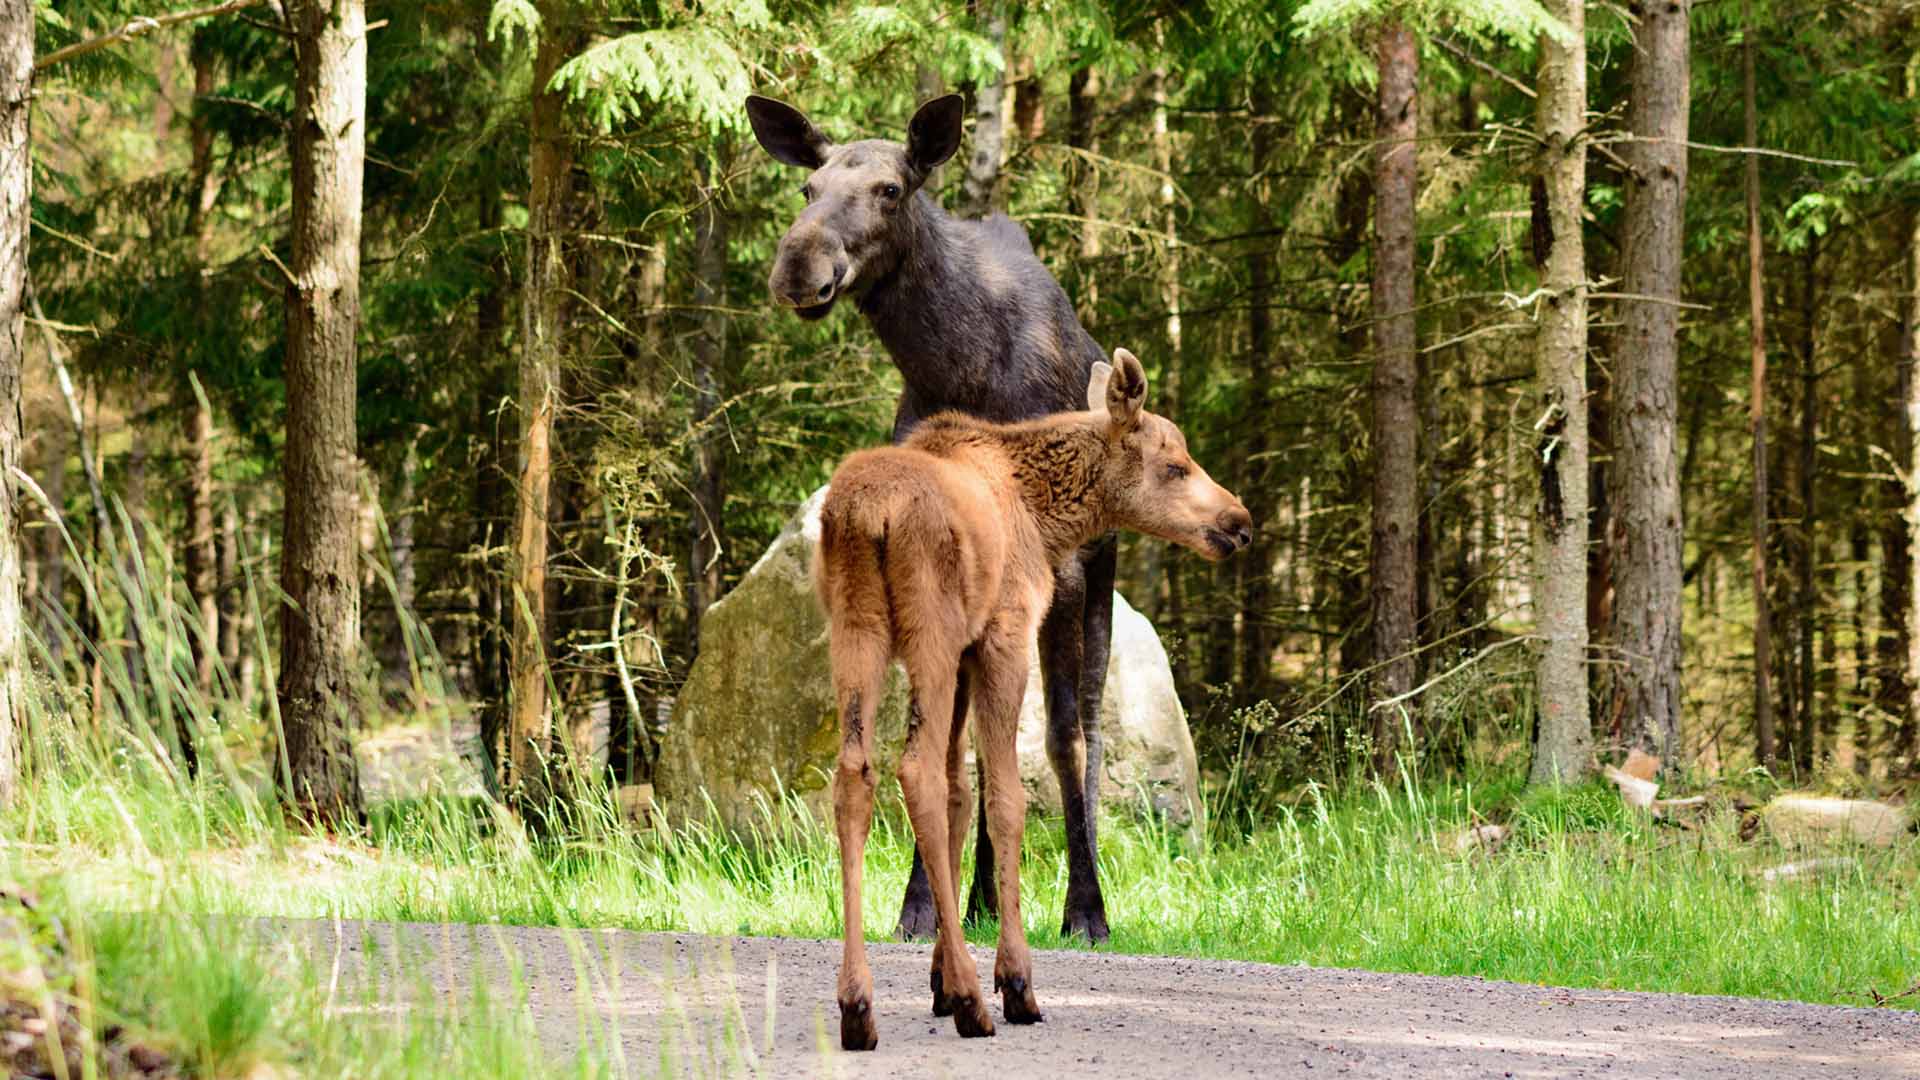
941 553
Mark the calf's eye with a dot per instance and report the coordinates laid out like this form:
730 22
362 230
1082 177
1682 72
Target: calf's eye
1176 472
891 191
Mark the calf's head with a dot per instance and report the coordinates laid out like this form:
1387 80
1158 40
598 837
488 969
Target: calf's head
1153 485
858 196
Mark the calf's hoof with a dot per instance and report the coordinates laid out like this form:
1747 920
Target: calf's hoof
1016 1001
857 1029
970 1018
1087 922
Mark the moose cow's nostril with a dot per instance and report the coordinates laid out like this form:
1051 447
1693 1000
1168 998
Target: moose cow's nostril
827 289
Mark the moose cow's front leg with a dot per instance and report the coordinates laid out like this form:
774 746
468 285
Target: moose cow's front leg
1063 664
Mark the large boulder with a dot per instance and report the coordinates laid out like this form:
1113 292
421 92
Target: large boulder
756 716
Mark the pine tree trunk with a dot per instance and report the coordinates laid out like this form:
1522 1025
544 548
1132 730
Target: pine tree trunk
1083 184
1757 415
1647 570
320 623
709 356
977 193
543 321
232 594
1909 736
1257 490
16 180
1563 742
202 555
1395 418
1806 600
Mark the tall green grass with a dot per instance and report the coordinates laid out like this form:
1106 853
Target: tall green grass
1363 875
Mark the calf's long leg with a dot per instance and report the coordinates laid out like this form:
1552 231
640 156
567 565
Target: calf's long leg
859 669
923 783
1002 683
959 812
916 906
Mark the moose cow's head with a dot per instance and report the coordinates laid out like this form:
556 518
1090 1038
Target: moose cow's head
859 198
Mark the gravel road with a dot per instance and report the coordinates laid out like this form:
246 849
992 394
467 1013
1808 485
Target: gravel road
688 1005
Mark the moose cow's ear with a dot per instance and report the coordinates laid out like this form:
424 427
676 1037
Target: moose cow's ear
1097 386
1126 390
934 133
786 133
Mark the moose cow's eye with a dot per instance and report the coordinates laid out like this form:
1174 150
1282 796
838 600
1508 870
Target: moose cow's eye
1176 472
890 191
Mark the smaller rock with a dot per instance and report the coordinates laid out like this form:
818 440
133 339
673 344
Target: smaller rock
1812 819
1487 838
636 804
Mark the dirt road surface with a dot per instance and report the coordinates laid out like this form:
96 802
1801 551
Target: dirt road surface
684 1005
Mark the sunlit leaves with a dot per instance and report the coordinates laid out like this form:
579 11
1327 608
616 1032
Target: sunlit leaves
693 68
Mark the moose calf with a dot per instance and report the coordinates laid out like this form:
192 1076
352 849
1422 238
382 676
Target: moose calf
941 553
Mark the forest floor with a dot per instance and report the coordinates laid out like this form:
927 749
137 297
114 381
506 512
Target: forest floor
678 1004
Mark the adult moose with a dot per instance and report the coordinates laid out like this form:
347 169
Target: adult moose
976 325
940 553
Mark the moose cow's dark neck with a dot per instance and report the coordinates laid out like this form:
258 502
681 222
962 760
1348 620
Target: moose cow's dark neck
974 321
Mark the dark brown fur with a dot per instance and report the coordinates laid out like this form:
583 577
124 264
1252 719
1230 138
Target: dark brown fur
942 553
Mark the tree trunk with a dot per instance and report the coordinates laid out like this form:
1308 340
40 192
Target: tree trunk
320 622
232 596
1806 600
400 543
977 193
1256 566
1647 571
1083 184
202 555
709 356
1757 414
543 321
1909 735
1395 420
1563 741
16 181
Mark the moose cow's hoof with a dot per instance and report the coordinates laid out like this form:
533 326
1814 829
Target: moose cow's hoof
970 1018
917 922
857 1029
1016 1001
1087 922
942 1001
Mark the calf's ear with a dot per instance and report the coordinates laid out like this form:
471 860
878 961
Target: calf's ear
1097 386
1126 390
786 133
934 133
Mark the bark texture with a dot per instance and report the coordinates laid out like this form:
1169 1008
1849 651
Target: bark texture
1563 740
709 355
1262 501
1646 505
989 127
543 321
1395 411
320 621
16 182
1757 415
1910 403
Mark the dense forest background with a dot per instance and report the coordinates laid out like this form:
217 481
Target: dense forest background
564 216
